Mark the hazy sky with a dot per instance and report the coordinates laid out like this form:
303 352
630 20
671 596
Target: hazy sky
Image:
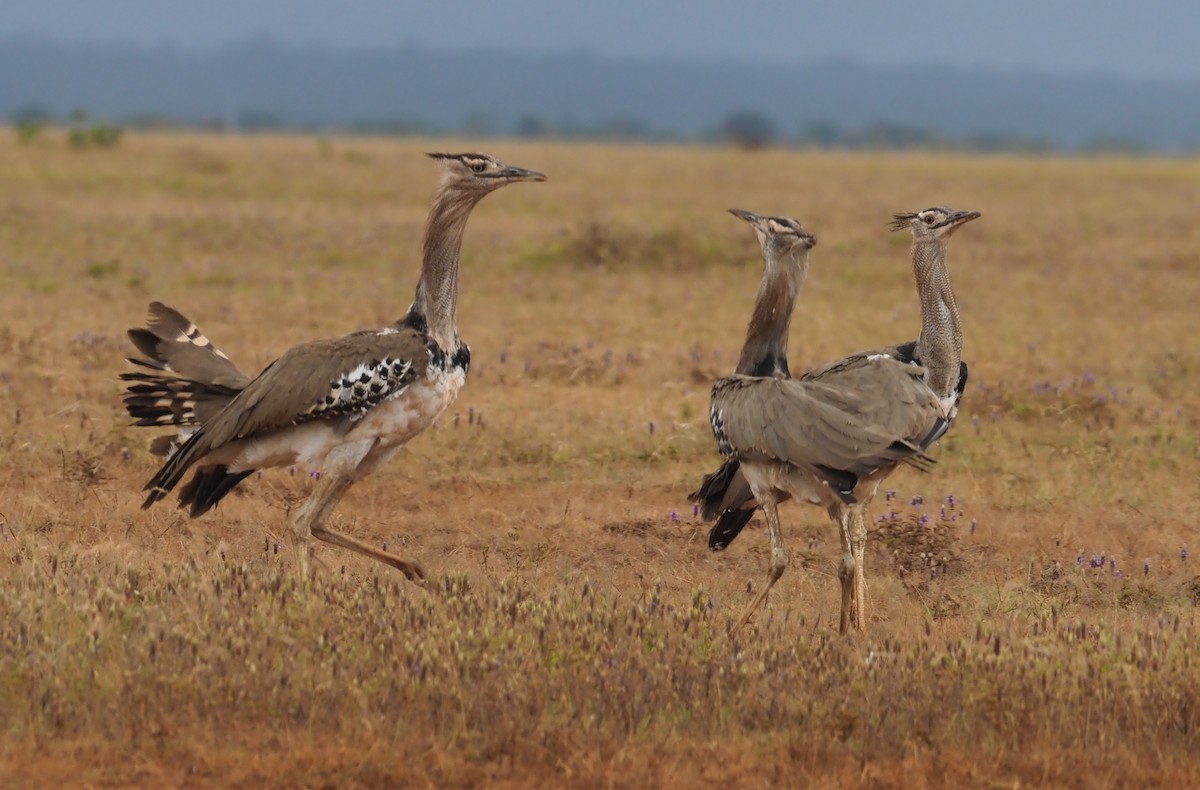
1153 38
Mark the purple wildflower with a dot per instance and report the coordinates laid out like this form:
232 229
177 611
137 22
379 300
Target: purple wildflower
652 427
950 500
916 500
674 516
1079 560
889 495
923 520
1183 553
1146 567
695 510
971 529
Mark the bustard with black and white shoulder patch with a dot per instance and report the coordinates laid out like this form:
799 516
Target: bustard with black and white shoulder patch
343 406
827 439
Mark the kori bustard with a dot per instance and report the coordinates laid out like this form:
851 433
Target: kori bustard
830 436
342 406
725 494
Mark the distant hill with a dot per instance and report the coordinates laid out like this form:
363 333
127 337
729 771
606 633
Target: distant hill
261 84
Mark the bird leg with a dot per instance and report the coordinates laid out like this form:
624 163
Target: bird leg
779 559
347 463
847 569
858 542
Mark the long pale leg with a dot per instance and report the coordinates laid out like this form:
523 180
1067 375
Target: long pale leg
346 464
779 558
847 570
858 542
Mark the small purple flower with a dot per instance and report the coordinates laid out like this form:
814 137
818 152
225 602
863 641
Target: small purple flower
1088 378
950 500
1146 567
971 529
503 356
695 510
1079 560
652 427
942 512
1183 553
292 471
923 520
1118 574
674 516
315 474
916 500
889 495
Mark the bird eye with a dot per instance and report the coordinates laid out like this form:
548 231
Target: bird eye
478 167
928 219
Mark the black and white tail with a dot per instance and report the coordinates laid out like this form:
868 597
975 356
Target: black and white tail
191 382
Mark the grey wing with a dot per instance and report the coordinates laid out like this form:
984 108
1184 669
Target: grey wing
809 424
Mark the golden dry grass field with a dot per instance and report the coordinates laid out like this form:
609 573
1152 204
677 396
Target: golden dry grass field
578 631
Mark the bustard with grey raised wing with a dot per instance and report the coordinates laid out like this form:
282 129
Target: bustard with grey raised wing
343 406
827 440
725 494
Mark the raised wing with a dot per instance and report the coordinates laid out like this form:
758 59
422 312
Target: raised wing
875 415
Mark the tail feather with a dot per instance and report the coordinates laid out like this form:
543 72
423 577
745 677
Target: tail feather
170 342
159 400
728 526
725 496
191 382
208 487
167 477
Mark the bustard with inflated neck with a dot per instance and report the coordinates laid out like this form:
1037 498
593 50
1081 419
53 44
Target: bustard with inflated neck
342 406
827 440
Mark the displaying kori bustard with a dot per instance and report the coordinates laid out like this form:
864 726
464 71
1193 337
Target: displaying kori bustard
725 495
831 436
342 406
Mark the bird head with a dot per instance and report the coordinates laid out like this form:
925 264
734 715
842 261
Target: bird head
480 173
932 224
779 236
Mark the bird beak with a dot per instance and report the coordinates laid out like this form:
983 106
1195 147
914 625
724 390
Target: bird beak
749 216
510 173
960 217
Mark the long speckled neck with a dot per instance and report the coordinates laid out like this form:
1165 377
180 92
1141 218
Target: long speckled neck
765 351
940 343
437 290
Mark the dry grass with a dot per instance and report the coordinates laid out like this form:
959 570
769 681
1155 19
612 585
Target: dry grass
579 630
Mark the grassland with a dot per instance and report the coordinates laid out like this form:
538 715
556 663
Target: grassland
1033 611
